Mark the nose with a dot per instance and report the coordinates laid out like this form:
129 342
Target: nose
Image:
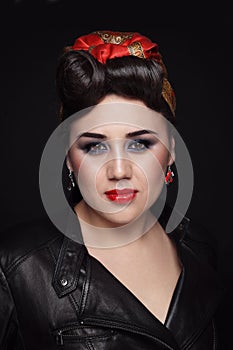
119 168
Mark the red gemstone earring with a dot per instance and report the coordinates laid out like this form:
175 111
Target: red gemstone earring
169 176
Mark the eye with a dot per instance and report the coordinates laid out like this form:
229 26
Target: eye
95 147
139 145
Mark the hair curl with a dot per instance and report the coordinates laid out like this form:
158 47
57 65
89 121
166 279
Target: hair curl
82 81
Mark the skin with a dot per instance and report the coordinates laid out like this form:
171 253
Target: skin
116 164
119 161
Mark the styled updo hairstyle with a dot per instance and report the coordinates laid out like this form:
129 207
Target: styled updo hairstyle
82 81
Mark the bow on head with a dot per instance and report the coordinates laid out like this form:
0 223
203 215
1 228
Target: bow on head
104 45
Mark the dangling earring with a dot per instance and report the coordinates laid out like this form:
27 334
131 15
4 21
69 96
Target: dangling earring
72 183
169 176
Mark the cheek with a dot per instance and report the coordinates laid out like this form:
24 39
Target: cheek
154 168
83 172
162 156
154 172
75 158
86 170
154 163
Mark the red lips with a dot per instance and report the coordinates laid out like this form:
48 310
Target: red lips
121 196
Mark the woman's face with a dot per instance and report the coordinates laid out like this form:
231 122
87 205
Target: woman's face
119 155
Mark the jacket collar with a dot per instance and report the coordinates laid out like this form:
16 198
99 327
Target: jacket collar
195 299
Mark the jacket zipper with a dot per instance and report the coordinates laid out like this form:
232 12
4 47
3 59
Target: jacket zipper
60 336
214 336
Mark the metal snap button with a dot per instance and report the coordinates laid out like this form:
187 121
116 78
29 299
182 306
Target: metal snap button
64 282
181 226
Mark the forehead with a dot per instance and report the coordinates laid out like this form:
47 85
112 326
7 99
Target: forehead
117 116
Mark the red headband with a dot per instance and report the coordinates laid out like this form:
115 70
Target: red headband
105 45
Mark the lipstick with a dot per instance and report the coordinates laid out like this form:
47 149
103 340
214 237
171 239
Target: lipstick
121 196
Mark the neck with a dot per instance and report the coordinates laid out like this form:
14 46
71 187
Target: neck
102 237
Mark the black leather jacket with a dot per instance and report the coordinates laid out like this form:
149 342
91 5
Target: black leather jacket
54 295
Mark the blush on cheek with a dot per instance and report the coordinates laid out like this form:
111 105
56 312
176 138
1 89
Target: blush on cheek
163 158
75 159
76 168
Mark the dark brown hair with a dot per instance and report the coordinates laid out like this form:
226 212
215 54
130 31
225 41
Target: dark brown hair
82 81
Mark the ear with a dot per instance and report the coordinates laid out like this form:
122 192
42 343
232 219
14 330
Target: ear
172 155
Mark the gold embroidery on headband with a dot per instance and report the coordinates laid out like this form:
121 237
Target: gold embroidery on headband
135 49
168 95
116 38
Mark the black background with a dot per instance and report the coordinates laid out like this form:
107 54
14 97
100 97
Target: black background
196 46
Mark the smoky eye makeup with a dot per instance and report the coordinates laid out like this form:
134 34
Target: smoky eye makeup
92 147
140 144
137 141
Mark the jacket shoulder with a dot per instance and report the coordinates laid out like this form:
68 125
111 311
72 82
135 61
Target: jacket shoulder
200 240
24 238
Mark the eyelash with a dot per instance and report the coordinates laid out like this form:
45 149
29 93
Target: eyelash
88 147
144 144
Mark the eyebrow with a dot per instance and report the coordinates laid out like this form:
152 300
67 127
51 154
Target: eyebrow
141 132
130 134
93 135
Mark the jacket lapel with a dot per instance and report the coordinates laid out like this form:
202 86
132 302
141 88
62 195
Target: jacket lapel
108 299
195 299
194 302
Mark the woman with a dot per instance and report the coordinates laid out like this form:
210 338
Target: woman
116 279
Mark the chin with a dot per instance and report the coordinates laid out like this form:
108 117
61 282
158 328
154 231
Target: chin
119 219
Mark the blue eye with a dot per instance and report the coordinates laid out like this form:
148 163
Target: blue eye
139 145
94 147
